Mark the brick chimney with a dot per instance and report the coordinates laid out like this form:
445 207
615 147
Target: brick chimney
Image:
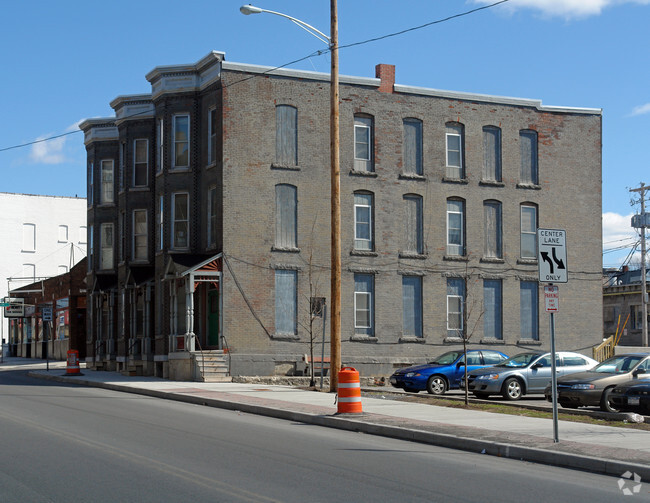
387 75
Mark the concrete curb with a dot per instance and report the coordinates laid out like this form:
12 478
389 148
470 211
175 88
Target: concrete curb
348 423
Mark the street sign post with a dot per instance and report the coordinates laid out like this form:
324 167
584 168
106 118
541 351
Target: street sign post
551 298
551 256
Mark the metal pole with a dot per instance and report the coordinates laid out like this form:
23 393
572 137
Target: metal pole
644 290
335 287
322 351
554 380
47 346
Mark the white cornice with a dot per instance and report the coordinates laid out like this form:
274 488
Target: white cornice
99 129
185 78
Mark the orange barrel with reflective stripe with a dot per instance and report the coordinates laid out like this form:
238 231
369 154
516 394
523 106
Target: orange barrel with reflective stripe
349 391
73 362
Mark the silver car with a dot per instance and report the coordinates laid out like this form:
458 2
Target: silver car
524 373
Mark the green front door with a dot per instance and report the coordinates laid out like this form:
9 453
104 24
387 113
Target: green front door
213 318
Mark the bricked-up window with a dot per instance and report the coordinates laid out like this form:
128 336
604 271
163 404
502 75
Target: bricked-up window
412 306
29 272
363 221
286 302
492 154
493 229
140 162
160 139
455 150
29 238
528 231
286 216
528 145
91 174
456 227
455 306
212 217
83 235
181 135
140 248
413 238
63 234
412 147
108 188
106 246
180 220
286 135
160 215
363 144
212 136
529 310
492 309
364 293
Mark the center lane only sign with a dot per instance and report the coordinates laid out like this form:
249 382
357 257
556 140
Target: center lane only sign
551 256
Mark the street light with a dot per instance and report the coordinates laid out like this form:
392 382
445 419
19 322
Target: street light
335 177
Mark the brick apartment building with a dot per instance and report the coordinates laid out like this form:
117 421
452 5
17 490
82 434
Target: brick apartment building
208 218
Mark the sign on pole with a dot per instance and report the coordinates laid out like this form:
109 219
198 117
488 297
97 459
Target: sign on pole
551 298
15 307
551 256
46 313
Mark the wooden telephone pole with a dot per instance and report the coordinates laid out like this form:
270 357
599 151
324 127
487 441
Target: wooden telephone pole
644 292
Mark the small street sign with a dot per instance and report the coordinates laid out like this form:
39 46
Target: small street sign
551 298
46 313
15 307
551 256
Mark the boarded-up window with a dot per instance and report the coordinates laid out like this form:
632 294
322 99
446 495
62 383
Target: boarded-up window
363 235
455 151
493 241
413 241
412 147
363 304
529 308
412 305
492 309
455 306
492 154
285 302
528 144
455 227
286 135
363 144
286 216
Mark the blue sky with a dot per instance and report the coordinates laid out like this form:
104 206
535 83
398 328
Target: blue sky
65 61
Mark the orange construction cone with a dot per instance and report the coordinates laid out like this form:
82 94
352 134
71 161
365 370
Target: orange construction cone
349 391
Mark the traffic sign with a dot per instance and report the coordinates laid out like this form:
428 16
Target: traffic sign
551 298
46 313
15 307
551 256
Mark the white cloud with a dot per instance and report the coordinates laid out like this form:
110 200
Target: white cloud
641 109
616 228
48 151
566 8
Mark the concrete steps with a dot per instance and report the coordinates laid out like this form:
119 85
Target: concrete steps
212 366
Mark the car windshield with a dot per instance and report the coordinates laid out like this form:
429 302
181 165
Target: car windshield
618 364
518 361
446 358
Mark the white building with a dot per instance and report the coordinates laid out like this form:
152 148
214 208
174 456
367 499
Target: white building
43 236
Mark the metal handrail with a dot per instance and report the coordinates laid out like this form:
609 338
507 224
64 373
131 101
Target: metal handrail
224 344
196 340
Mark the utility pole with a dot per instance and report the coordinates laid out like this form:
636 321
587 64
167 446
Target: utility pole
644 294
335 286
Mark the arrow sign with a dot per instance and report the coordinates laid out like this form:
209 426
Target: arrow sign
551 255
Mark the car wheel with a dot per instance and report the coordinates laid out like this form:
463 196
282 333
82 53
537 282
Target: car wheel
512 389
411 390
605 403
436 385
482 395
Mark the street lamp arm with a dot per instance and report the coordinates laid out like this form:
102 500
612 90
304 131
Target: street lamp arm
251 9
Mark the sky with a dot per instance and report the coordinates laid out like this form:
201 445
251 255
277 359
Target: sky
65 61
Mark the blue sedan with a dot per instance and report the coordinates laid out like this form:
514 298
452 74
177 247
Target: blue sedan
445 372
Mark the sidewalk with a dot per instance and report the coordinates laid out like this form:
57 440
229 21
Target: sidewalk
600 449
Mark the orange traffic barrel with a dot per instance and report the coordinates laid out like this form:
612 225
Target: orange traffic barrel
349 391
73 363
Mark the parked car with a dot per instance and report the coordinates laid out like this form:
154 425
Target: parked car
594 387
445 372
632 395
524 374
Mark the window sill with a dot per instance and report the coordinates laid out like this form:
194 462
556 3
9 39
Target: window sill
412 176
492 260
527 261
456 258
285 249
369 174
181 169
492 341
411 339
491 183
530 186
288 167
362 253
529 342
140 188
213 164
453 340
363 338
463 181
413 255
285 337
